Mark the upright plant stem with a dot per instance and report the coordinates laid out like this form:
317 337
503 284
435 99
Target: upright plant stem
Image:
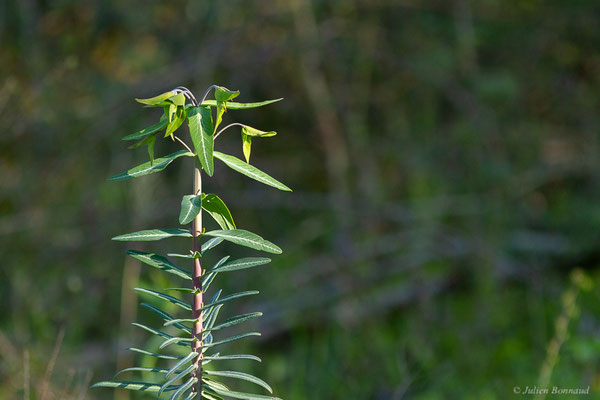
197 280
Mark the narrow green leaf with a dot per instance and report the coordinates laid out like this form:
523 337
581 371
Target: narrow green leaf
230 297
147 131
170 111
246 146
151 141
176 122
240 395
223 94
209 396
183 290
242 376
236 320
201 132
190 208
152 234
196 254
181 363
175 378
165 316
210 244
142 369
246 238
240 106
175 321
218 210
176 340
131 385
250 171
250 131
233 357
241 263
231 339
148 168
211 317
156 100
152 330
165 297
208 278
157 355
183 388
157 261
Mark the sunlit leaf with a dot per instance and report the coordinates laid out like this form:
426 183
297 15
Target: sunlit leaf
190 208
156 100
246 146
148 131
240 106
250 131
148 168
242 376
250 171
201 132
246 238
157 261
176 121
152 234
218 210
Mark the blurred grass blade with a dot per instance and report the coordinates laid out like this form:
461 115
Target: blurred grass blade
150 167
250 171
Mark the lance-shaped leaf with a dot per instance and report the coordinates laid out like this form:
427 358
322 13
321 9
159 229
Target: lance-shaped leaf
250 131
148 168
150 144
181 363
156 261
210 244
246 146
250 171
223 95
240 263
157 355
201 132
238 395
190 208
175 378
242 376
218 357
241 106
218 210
165 297
176 121
166 317
230 297
156 100
152 234
210 396
152 330
176 340
132 385
148 131
246 238
183 388
211 317
142 369
231 339
236 320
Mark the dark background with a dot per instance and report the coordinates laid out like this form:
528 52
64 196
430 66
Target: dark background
441 241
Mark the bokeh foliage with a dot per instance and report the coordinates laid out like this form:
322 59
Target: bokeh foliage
445 158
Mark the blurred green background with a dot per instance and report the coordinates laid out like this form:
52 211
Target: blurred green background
442 238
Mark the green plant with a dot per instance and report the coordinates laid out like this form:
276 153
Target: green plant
187 377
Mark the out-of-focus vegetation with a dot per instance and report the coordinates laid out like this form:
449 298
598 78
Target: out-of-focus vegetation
445 161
